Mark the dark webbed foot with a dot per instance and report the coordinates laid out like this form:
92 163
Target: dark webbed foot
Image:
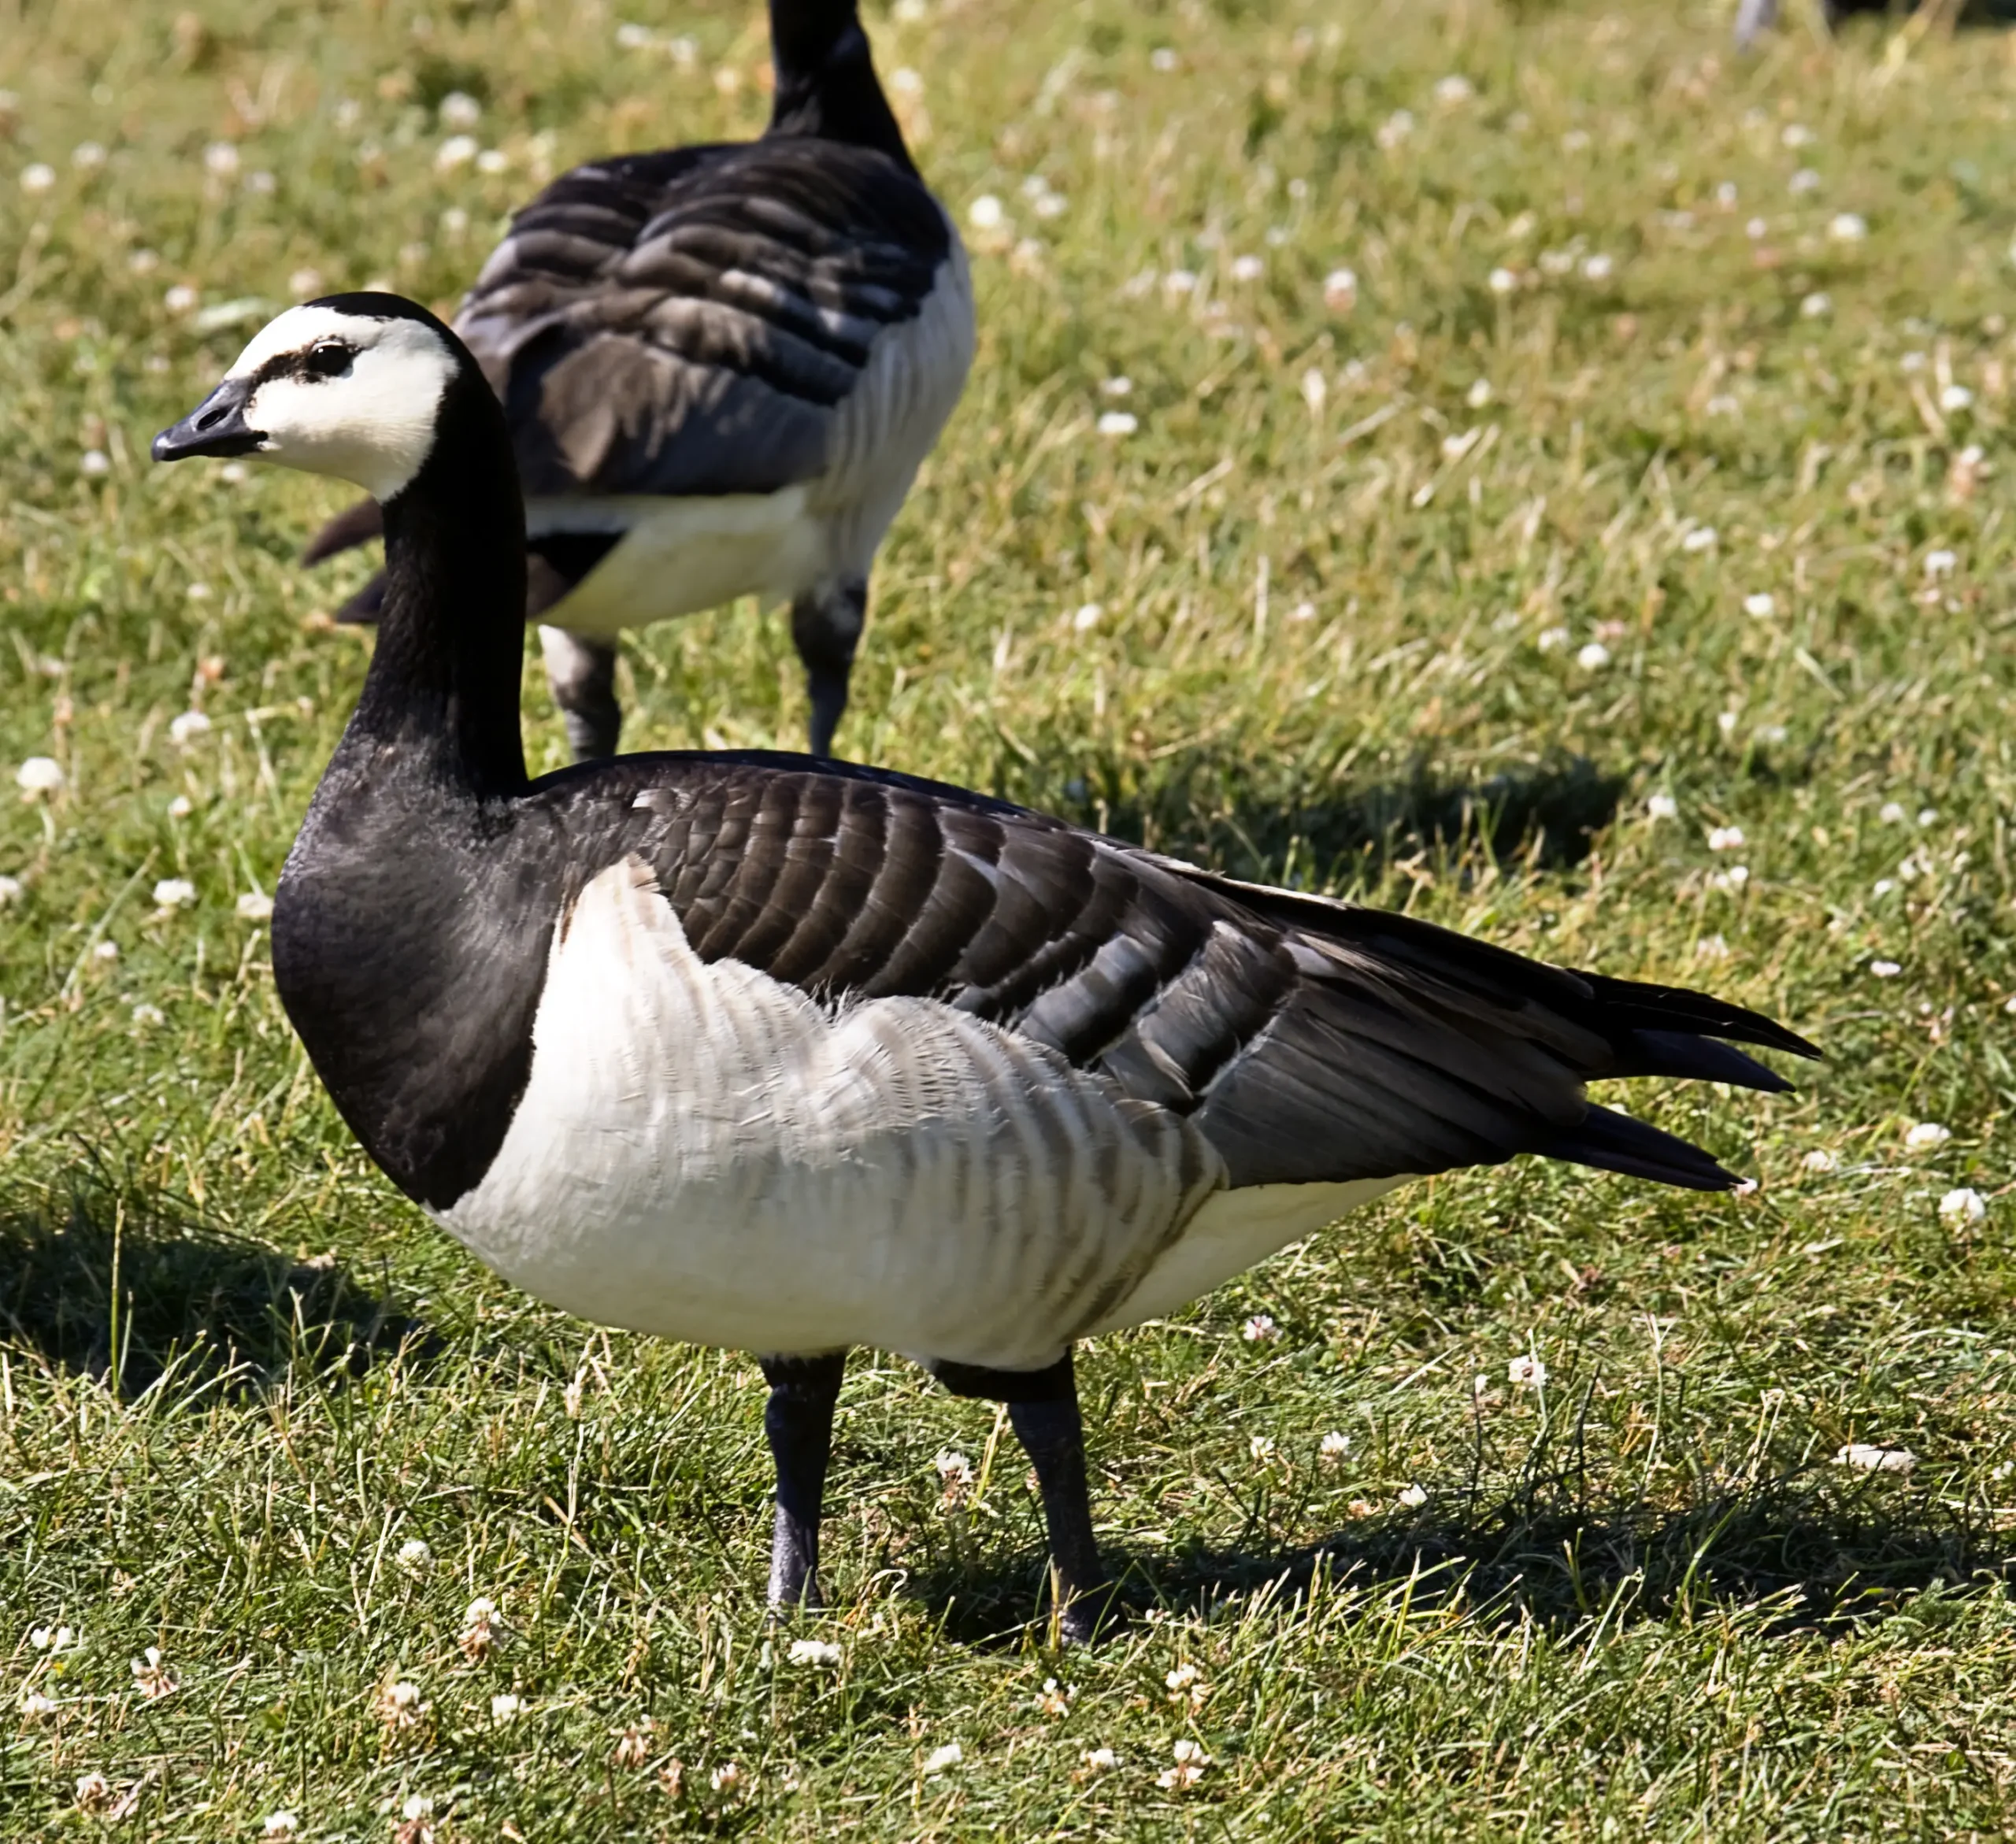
1042 1408
582 672
799 1419
826 623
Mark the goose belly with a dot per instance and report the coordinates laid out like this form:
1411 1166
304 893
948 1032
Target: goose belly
679 556
703 1153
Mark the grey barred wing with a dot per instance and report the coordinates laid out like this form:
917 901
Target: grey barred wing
1310 1041
689 322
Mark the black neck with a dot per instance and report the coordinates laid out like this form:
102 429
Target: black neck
442 688
826 87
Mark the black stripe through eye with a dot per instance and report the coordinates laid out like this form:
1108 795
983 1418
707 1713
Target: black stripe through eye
330 359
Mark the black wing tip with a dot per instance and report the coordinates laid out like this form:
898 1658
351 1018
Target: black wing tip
1606 1141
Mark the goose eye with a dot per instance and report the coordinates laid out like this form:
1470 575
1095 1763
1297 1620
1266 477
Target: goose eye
329 359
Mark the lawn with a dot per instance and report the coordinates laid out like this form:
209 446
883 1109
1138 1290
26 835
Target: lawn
1520 464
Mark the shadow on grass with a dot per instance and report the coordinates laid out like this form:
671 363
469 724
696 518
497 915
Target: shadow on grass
120 1289
1266 820
1830 1556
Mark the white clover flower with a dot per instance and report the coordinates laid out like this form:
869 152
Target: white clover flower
1819 1159
1817 305
279 1825
1302 611
492 160
459 110
1885 969
1055 1698
814 1652
1797 135
1927 815
106 950
417 1806
1413 1497
1340 290
93 1792
954 1469
40 775
1847 227
1963 1205
1247 268
1100 1760
1162 58
1454 89
10 890
630 36
220 159
504 1707
152 1678
1927 1134
255 907
987 213
1116 387
633 1743
481 1628
400 1706
35 1707
456 150
1733 879
726 1779
1315 389
1549 638
414 1557
1502 280
1334 1445
1087 616
1180 282
1528 1371
1805 180
95 464
174 892
1260 1449
1118 422
939 1760
1661 806
1396 128
1479 394
181 299
1190 1762
1597 268
1762 604
1699 538
38 177
1712 947
1260 1330
905 81
1593 657
1955 397
184 730
304 284
1863 1458
1725 839
147 1017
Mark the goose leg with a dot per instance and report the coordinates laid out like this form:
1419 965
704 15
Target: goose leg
582 672
1043 1409
799 1419
826 623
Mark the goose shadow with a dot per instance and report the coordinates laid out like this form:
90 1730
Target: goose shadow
1272 822
122 1287
1826 1558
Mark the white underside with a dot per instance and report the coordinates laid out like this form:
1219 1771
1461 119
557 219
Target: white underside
705 1153
679 556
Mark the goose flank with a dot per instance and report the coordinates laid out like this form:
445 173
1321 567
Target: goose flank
784 1055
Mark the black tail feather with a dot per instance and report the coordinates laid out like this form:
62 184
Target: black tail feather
1653 1010
1682 1054
1610 1142
359 524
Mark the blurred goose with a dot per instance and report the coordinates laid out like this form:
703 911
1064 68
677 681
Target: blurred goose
781 1054
722 367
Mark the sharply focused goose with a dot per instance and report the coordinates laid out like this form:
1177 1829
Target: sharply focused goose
781 1054
722 367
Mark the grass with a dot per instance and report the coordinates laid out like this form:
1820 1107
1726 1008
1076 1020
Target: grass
1346 567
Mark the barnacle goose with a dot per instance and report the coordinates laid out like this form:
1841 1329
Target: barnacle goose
722 367
773 1052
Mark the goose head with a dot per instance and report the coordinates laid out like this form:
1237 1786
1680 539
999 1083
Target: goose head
351 385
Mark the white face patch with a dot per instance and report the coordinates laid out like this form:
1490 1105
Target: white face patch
361 404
